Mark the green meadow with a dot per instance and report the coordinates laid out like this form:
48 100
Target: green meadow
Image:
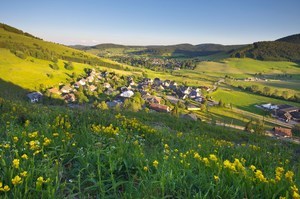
29 73
57 152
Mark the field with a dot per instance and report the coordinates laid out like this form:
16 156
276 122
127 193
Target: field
32 72
243 68
64 153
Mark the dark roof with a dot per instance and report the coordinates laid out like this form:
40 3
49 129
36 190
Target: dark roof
284 106
295 114
34 95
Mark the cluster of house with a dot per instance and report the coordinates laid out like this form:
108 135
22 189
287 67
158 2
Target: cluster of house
255 79
176 92
283 112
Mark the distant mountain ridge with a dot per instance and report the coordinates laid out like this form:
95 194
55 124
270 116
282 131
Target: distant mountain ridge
283 49
295 39
187 50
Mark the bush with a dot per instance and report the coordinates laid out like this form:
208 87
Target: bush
69 66
54 66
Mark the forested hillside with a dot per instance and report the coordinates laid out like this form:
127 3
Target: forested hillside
285 49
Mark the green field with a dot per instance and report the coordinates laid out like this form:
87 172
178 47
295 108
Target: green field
243 68
245 101
32 72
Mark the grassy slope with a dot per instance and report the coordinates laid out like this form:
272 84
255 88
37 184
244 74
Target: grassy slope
247 67
32 42
245 101
79 154
32 72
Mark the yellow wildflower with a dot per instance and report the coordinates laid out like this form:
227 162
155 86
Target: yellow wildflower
55 134
206 161
24 156
6 188
289 175
23 174
213 157
197 156
47 141
278 173
33 134
252 167
216 178
16 139
227 164
36 152
136 142
179 134
259 175
40 180
145 168
296 195
238 165
155 163
27 122
16 163
16 180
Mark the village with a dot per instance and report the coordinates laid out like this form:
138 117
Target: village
158 95
109 90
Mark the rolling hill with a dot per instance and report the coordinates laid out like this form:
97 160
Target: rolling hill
284 49
179 50
295 39
26 61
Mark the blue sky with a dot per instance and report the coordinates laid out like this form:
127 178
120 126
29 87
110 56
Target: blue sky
144 22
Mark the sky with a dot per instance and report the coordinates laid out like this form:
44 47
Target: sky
153 22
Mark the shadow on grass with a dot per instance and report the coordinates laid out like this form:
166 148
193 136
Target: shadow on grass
13 92
10 91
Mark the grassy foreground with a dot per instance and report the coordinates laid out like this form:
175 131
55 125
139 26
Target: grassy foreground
54 152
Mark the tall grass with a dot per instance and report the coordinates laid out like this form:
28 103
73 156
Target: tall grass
104 154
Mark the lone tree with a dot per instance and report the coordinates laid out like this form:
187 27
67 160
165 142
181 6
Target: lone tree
69 65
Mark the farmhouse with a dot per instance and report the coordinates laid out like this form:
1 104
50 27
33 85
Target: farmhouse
70 97
269 106
127 94
287 113
65 89
34 96
280 131
152 99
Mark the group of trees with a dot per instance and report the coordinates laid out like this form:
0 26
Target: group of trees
270 51
267 91
156 64
257 126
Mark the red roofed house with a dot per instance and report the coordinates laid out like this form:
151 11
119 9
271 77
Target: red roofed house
282 131
160 107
